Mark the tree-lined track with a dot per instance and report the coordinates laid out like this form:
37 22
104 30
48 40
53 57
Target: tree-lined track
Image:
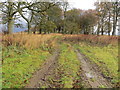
84 42
60 62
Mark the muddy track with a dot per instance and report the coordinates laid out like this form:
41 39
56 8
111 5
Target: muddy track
90 74
40 76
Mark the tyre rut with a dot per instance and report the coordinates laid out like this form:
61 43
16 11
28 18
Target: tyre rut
47 67
90 74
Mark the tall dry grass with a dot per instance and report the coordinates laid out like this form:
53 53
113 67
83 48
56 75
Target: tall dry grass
35 41
29 41
105 40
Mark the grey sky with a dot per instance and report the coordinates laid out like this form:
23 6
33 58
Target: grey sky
82 4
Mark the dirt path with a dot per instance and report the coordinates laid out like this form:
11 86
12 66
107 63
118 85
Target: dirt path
91 77
39 77
90 74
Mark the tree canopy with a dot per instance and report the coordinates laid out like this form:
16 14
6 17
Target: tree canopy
55 17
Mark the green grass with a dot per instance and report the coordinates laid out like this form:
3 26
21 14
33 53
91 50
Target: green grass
69 65
19 64
105 57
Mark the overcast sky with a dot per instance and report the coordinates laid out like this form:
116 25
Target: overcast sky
82 4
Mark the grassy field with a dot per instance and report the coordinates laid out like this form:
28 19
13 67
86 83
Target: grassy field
24 54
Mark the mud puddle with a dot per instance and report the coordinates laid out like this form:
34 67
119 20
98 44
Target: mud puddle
90 75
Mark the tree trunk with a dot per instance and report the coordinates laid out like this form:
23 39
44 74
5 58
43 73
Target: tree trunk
59 29
10 26
109 33
45 32
115 16
34 32
54 30
40 31
29 31
35 29
109 24
98 29
71 32
92 30
102 31
114 27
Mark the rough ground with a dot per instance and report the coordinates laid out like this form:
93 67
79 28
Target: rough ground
90 74
40 76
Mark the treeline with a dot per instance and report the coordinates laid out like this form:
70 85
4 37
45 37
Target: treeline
54 17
